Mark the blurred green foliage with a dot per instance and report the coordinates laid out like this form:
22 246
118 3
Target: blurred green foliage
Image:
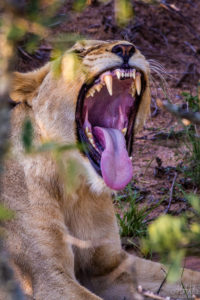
27 135
5 214
123 11
172 237
15 33
195 202
79 5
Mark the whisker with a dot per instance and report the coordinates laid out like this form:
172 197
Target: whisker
155 63
160 72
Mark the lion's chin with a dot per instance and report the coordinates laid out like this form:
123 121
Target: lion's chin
105 117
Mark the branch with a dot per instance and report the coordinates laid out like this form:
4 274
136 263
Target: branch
193 117
151 295
171 193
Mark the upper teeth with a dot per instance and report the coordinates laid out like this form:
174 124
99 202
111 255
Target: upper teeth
107 77
120 73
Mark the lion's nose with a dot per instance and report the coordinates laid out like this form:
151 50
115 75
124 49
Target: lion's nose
124 51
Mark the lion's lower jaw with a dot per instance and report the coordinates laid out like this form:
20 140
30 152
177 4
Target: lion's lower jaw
96 183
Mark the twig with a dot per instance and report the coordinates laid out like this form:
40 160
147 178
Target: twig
191 47
163 282
187 22
161 34
171 193
176 110
154 296
151 295
185 74
155 112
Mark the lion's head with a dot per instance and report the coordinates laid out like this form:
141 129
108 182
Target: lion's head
100 105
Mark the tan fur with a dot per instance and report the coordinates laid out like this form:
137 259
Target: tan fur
66 244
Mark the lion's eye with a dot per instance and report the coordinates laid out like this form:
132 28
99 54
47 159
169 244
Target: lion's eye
78 51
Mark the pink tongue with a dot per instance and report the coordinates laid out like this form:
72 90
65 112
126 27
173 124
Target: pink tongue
116 166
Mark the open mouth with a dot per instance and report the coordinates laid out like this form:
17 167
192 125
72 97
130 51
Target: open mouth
105 116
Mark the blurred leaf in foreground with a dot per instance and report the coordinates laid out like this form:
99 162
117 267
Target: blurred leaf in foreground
5 214
79 5
27 135
71 66
168 237
123 11
15 33
194 201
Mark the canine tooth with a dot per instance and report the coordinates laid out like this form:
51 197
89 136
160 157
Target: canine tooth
124 130
87 129
131 157
134 71
138 83
118 74
89 134
108 82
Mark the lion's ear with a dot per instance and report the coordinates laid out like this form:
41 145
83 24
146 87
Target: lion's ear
25 85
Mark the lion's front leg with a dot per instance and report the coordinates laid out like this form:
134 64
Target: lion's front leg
105 268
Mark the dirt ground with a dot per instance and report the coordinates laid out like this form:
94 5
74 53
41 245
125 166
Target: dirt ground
170 34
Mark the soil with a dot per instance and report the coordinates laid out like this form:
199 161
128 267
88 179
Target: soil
170 34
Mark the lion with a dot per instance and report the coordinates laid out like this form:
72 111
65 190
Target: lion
62 244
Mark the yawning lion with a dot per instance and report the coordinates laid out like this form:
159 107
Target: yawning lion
67 245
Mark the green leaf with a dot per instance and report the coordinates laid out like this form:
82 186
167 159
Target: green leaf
5 214
79 5
15 33
57 64
123 11
167 233
72 170
32 43
176 257
27 135
194 201
52 146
